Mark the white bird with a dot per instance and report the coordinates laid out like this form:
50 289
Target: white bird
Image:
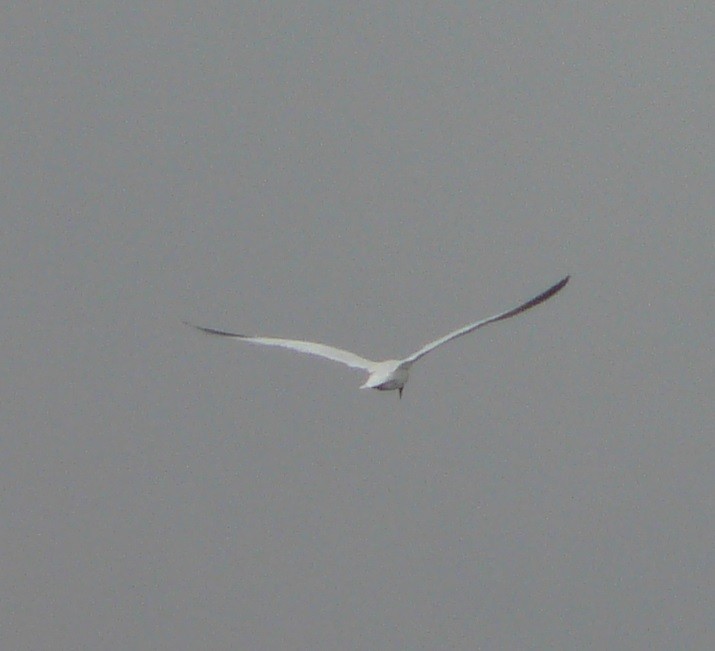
389 374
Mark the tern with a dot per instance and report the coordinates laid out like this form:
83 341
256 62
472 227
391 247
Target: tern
389 374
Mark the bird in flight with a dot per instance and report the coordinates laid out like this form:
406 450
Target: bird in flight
389 374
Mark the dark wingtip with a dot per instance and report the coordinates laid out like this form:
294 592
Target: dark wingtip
211 331
552 290
556 288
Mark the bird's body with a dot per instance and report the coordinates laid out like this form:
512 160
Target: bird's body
390 374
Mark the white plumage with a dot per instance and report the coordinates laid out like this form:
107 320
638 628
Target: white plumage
392 373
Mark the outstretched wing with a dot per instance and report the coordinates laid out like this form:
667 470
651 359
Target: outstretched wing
321 350
497 317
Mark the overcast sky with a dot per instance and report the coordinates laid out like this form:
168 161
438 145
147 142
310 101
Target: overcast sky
370 175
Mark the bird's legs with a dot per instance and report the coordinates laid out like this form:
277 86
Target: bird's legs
400 390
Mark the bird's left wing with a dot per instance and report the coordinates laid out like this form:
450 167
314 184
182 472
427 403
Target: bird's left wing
478 324
310 347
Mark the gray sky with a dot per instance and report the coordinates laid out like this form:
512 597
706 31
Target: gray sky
368 177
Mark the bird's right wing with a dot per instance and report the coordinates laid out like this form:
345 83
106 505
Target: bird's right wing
478 324
321 350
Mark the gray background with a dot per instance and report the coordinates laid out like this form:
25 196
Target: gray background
370 176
